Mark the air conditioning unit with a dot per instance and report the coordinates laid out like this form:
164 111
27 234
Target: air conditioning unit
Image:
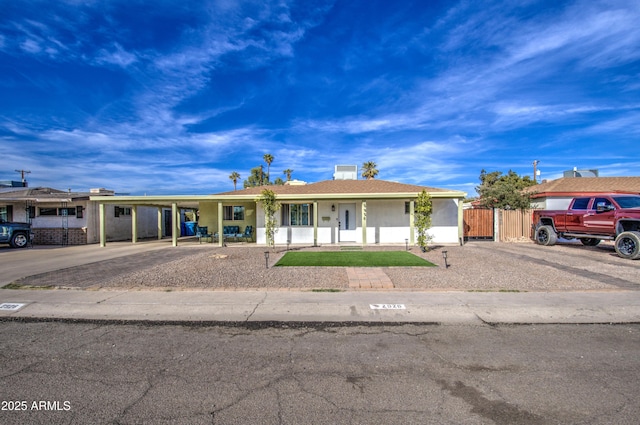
346 172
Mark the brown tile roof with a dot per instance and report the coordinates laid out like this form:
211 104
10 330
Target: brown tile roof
580 185
341 187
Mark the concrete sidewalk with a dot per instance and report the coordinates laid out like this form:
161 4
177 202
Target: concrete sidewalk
232 307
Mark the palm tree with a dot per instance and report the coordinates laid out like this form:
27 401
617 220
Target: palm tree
369 170
234 178
268 158
287 173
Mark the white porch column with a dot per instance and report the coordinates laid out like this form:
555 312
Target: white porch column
315 223
174 224
412 222
364 222
159 223
103 226
460 222
220 228
134 223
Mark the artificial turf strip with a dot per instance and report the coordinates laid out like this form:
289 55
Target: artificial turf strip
353 259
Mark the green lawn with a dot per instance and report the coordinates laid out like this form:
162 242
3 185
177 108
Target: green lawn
353 259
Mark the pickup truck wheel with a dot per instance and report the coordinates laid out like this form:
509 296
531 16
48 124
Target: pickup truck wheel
545 235
589 241
628 245
18 240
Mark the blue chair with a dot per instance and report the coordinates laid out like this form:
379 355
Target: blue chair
202 232
248 234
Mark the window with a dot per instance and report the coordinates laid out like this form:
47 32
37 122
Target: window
234 213
118 211
297 215
48 211
407 207
606 204
58 211
6 213
581 204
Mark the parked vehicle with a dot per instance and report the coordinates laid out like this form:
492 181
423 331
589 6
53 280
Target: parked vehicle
592 219
18 235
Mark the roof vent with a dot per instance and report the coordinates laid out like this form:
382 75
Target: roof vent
580 173
346 172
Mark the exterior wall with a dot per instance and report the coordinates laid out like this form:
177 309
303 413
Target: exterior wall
119 228
387 223
208 216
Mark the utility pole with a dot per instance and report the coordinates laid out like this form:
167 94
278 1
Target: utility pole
22 173
535 165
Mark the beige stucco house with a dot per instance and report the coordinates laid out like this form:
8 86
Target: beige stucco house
363 212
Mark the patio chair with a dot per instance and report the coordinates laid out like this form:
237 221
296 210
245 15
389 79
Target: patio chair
202 232
248 234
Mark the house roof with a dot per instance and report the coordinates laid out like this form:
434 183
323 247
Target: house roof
581 186
42 194
379 188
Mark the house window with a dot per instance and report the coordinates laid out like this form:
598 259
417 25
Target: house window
118 211
407 207
58 211
297 215
6 213
233 213
67 211
79 211
48 211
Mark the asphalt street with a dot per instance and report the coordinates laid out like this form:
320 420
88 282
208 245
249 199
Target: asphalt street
66 373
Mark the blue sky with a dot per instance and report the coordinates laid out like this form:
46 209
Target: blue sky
170 97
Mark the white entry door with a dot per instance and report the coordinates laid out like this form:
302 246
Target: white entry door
347 219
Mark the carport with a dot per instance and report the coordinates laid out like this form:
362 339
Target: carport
175 203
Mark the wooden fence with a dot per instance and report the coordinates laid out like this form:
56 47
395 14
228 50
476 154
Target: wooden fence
478 224
514 225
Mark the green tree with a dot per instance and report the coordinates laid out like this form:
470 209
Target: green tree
369 170
268 158
504 191
422 219
234 178
255 177
288 173
270 205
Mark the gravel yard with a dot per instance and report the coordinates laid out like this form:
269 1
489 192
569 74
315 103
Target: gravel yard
481 266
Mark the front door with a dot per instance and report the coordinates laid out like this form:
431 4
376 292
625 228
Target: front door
347 219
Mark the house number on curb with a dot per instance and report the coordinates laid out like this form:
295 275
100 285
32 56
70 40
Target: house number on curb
387 307
11 306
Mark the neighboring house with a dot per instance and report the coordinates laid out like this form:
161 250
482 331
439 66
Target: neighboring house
329 212
557 194
70 218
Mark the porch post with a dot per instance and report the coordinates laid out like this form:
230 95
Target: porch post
174 224
460 222
159 223
412 222
220 228
315 223
364 222
103 225
134 223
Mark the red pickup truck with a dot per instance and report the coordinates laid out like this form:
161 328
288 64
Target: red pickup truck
591 219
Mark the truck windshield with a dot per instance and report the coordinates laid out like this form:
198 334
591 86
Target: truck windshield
628 201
